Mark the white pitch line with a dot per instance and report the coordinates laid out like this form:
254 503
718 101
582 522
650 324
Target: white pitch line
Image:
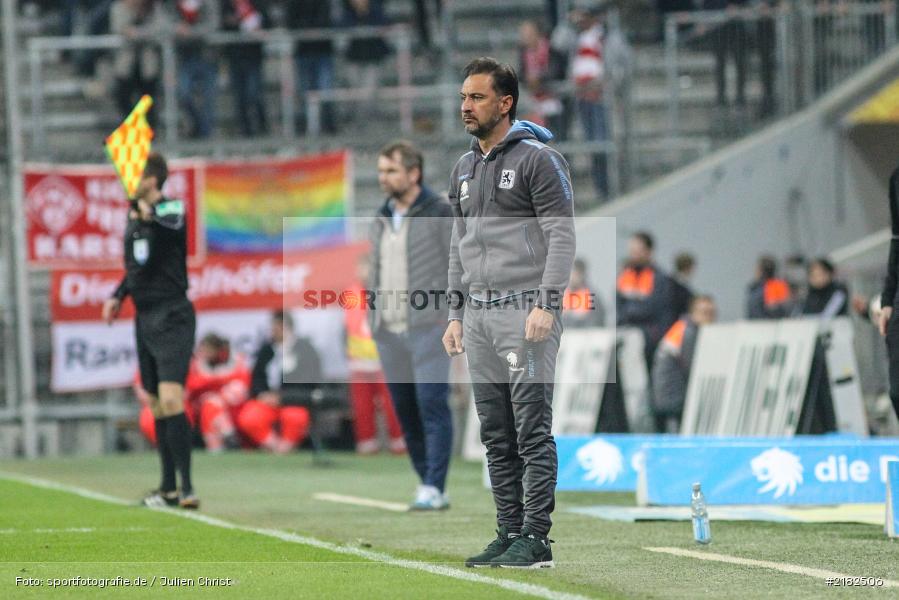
763 564
528 589
72 530
357 501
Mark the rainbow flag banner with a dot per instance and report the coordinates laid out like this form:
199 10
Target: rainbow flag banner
245 203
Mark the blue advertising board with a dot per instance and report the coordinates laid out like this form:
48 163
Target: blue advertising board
810 471
610 462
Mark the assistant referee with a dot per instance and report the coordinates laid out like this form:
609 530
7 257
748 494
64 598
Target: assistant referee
156 280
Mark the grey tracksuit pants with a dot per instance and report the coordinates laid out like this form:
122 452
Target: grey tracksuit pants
513 387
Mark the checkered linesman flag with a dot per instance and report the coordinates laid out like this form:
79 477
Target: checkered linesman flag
129 145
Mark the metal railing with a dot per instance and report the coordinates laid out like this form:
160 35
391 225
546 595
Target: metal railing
279 42
794 54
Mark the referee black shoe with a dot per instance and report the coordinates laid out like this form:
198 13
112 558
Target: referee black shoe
160 499
529 551
503 541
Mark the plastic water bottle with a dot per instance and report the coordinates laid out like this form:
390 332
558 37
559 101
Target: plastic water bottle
702 532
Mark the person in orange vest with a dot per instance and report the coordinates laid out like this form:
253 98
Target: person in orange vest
769 296
580 305
644 297
673 360
368 390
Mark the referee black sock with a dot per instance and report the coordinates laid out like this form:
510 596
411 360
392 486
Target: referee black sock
180 442
166 458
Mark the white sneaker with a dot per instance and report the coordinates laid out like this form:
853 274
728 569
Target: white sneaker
429 497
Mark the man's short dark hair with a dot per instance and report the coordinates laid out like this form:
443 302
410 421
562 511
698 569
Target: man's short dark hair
410 156
824 264
767 267
505 81
646 238
684 262
158 168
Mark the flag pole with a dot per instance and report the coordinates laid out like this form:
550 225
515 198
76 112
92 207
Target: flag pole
24 341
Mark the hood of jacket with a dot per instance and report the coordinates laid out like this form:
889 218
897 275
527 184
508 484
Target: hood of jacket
520 130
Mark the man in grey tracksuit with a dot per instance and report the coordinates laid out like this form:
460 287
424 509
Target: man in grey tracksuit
511 255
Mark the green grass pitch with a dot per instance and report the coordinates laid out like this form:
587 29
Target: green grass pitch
47 534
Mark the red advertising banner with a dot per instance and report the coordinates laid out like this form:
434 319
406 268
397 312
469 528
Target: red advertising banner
223 282
77 213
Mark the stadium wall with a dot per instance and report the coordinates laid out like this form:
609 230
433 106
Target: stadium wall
802 186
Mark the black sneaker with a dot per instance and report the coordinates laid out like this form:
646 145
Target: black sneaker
189 501
160 499
503 541
528 551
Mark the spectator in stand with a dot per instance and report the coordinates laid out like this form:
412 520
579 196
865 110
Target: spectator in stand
563 41
766 41
286 373
588 71
368 390
94 20
314 59
666 7
581 306
644 295
365 54
539 68
681 290
422 21
769 296
729 38
673 361
250 18
138 63
197 69
825 297
218 385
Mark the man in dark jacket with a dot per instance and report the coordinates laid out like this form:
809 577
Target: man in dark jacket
250 18
673 361
513 247
410 249
286 378
644 295
314 58
769 296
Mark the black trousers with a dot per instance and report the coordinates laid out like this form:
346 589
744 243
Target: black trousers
893 353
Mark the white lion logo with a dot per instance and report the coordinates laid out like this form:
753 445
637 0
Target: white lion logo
602 461
512 359
779 470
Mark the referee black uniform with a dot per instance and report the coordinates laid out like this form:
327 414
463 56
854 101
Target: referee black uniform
165 324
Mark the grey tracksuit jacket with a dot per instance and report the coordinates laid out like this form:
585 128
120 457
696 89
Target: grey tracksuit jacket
510 231
513 232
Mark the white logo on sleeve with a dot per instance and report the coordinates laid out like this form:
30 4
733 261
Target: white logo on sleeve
141 251
779 470
463 192
507 179
602 461
512 359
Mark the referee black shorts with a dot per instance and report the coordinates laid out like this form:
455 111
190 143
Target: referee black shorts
165 343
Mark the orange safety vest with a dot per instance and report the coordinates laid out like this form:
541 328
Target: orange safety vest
636 284
577 301
360 347
674 339
776 291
